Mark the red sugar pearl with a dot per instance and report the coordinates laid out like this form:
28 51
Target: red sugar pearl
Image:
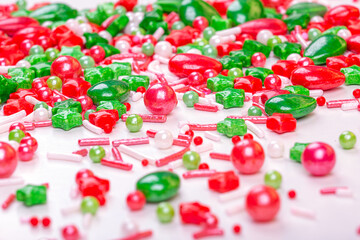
200 23
203 166
141 89
145 162
198 140
34 221
97 53
258 59
292 194
235 139
321 101
135 200
272 81
356 93
237 228
248 136
17 125
128 106
190 133
46 221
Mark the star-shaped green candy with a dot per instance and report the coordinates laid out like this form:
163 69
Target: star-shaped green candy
220 83
258 72
71 51
232 127
231 98
136 81
41 69
31 195
112 104
66 119
71 104
352 75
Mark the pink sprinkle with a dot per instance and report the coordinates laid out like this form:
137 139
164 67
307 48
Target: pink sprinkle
203 127
93 141
148 118
206 107
220 156
199 173
117 164
175 156
131 141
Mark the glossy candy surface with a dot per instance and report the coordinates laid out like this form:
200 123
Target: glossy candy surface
247 156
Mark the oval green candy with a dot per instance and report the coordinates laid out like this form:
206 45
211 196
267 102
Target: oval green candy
313 9
298 105
109 90
159 186
190 9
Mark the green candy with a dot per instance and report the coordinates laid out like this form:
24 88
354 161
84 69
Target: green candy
165 212
352 75
347 140
298 105
72 51
8 86
273 179
295 19
51 54
220 83
324 47
109 49
273 41
109 90
235 72
36 50
117 25
148 49
230 98
209 32
112 104
136 81
41 69
66 119
159 186
54 82
232 127
41 105
254 111
272 13
87 113
31 195
120 69
178 25
241 11
297 150
21 72
98 74
190 9
218 23
168 5
251 46
241 58
188 47
190 98
16 135
229 62
209 51
313 9
297 89
22 82
258 72
90 205
34 59
283 50
334 30
313 34
191 160
53 12
97 153
134 123
68 104
93 39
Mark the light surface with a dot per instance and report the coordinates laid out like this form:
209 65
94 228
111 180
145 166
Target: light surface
336 217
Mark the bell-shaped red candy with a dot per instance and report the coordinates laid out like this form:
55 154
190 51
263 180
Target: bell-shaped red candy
281 122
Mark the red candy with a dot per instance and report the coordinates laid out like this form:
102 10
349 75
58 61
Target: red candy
318 158
281 123
284 67
262 203
248 84
276 26
223 182
258 59
136 200
247 156
160 99
25 152
75 87
66 67
105 119
272 81
8 161
340 15
70 232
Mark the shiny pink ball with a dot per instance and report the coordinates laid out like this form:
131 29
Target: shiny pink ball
8 160
318 158
26 152
247 156
160 99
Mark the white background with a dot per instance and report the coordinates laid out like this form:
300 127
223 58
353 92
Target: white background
336 218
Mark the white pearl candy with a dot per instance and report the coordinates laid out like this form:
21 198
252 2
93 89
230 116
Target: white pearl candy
275 149
263 36
317 19
72 24
138 17
105 34
215 40
294 56
23 63
41 114
123 46
344 33
163 139
130 15
83 28
129 228
131 26
163 49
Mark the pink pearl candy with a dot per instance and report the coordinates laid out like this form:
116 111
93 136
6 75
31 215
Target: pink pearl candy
318 158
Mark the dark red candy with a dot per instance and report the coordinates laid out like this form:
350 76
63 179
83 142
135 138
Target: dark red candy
223 181
340 15
11 52
226 48
16 105
182 37
276 26
105 119
31 33
66 67
281 122
353 43
184 64
75 87
248 84
284 67
337 62
194 213
22 93
317 77
13 24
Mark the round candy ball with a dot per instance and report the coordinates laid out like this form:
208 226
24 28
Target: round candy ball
318 158
247 156
89 204
163 139
273 179
160 99
134 123
30 141
254 111
66 67
347 140
190 98
165 212
136 200
25 152
275 149
8 161
262 203
97 153
70 232
16 135
191 160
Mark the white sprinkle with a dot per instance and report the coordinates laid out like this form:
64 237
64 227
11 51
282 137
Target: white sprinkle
135 154
11 181
212 136
255 129
302 212
236 209
92 128
64 156
14 117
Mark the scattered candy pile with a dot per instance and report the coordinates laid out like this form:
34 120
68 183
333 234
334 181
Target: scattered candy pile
67 69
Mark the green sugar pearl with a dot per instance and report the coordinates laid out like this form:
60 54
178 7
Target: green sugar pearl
87 62
178 25
16 135
51 54
134 123
347 140
209 51
254 111
208 33
274 40
201 42
235 72
191 160
36 50
89 205
41 105
54 82
148 49
273 179
313 33
97 153
165 212
190 98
